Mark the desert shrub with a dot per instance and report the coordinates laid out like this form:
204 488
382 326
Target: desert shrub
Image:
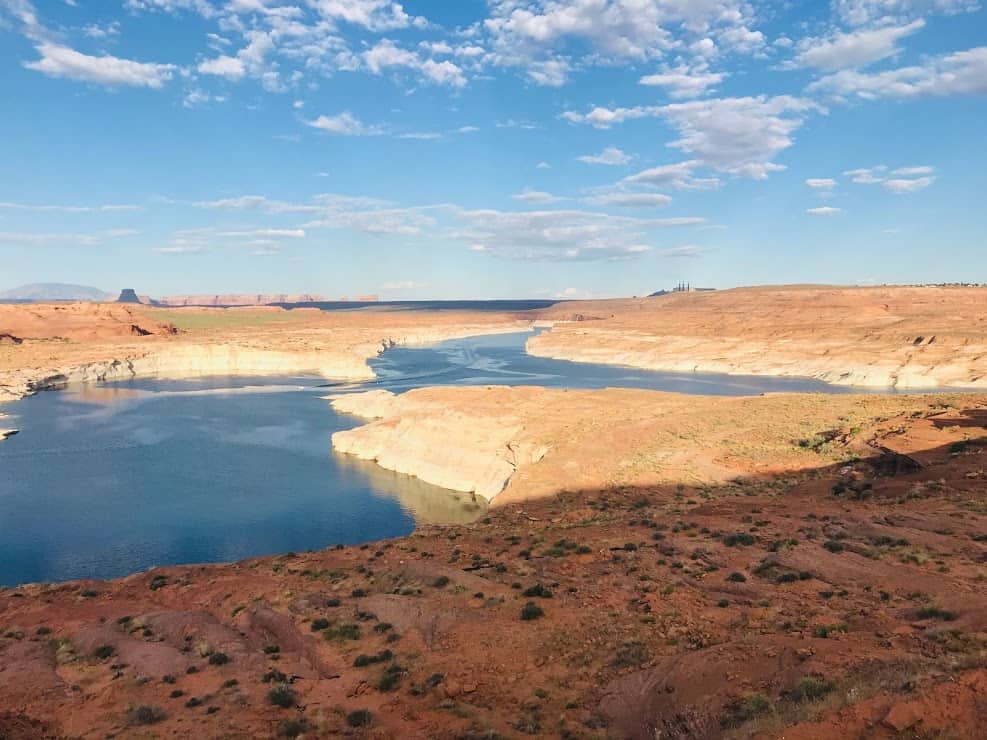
274 676
219 659
319 624
834 546
292 727
630 654
825 630
441 582
342 631
390 679
744 710
360 718
104 651
282 696
810 688
145 714
739 538
935 612
537 591
531 611
365 660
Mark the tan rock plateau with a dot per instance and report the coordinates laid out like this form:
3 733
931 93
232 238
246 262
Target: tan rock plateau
67 343
903 337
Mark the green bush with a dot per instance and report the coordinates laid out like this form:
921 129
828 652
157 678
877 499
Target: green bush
810 688
360 718
282 696
145 714
531 611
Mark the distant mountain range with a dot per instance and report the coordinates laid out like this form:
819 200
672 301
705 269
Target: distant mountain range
55 292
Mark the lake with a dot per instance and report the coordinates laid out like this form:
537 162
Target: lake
108 480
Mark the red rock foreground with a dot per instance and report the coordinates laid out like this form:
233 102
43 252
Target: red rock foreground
844 600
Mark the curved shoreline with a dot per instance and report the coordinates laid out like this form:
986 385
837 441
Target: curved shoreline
195 360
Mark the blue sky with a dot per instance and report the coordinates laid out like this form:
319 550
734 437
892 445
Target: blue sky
510 148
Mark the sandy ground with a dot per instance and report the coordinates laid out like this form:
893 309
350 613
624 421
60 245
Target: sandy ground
905 337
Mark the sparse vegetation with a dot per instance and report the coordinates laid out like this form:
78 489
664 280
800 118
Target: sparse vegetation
282 696
531 611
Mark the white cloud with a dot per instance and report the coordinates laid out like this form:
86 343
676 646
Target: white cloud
629 200
422 136
443 73
344 124
61 61
231 68
535 196
900 186
906 180
867 175
959 73
264 234
543 166
684 82
821 183
678 176
44 207
97 31
687 250
824 211
560 234
549 73
386 54
853 49
739 136
610 156
46 239
374 15
862 12
394 285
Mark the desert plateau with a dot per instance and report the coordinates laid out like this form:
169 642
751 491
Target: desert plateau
786 564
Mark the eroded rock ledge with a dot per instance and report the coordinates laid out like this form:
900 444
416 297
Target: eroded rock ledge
902 337
516 443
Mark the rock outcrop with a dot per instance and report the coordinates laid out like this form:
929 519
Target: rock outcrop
869 337
516 443
128 295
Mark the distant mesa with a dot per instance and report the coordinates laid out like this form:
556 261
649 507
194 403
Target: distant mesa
128 295
261 299
41 292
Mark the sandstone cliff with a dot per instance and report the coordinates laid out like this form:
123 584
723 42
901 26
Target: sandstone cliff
64 344
239 299
516 443
875 337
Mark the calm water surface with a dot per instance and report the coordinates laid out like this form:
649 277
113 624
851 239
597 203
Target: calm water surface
107 480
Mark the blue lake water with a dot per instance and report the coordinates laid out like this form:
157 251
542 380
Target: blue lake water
107 480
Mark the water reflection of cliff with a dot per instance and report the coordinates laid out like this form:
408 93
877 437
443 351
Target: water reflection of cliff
427 503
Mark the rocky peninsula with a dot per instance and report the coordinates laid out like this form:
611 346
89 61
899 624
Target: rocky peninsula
903 337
